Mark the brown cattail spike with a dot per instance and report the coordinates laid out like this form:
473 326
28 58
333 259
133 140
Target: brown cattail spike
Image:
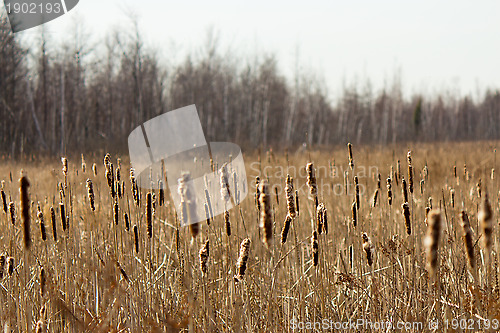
42 225
368 248
431 241
136 239
227 223
286 228
266 215
389 191
290 200
404 189
25 210
204 253
375 197
315 248
311 181
12 211
467 236
62 213
351 160
127 222
406 213
485 216
53 222
90 192
410 172
4 200
354 214
241 264
319 218
149 214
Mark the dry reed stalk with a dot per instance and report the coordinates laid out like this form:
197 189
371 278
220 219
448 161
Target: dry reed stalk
315 247
286 228
266 215
90 192
241 264
204 253
368 248
406 213
25 210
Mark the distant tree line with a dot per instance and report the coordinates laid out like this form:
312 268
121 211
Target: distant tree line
72 97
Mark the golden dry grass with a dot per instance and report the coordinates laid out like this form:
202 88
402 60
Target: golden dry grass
96 282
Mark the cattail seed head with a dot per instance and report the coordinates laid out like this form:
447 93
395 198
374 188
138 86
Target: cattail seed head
431 241
11 266
12 211
406 213
404 190
62 212
94 169
64 161
149 214
368 248
204 253
311 181
42 282
90 192
410 173
452 197
354 214
4 200
356 182
266 218
375 197
485 216
42 225
389 191
25 210
257 193
127 222
224 183
297 201
136 239
53 222
84 165
315 247
319 218
349 151
227 223
116 212
290 200
467 237
286 228
188 204
3 261
241 264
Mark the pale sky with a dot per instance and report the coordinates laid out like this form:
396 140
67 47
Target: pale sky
436 45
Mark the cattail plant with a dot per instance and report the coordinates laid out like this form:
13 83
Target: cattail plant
290 200
354 214
467 237
94 169
25 210
257 192
485 216
136 239
42 224
43 282
276 195
90 192
62 212
127 222
431 241
356 184
204 253
368 248
406 213
225 191
286 228
227 223
389 191
452 197
266 215
161 194
149 214
479 188
11 266
311 182
12 211
297 201
4 200
319 218
375 197
241 264
116 212
188 204
315 247
351 160
410 173
404 189
422 183
53 222
3 260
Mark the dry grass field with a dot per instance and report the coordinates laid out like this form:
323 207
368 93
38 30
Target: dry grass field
103 274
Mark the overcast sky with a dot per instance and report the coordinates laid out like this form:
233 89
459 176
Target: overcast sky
435 45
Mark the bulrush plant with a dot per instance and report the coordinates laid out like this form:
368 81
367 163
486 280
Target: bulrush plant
241 264
266 214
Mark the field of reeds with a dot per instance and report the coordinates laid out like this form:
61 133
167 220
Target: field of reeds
350 239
